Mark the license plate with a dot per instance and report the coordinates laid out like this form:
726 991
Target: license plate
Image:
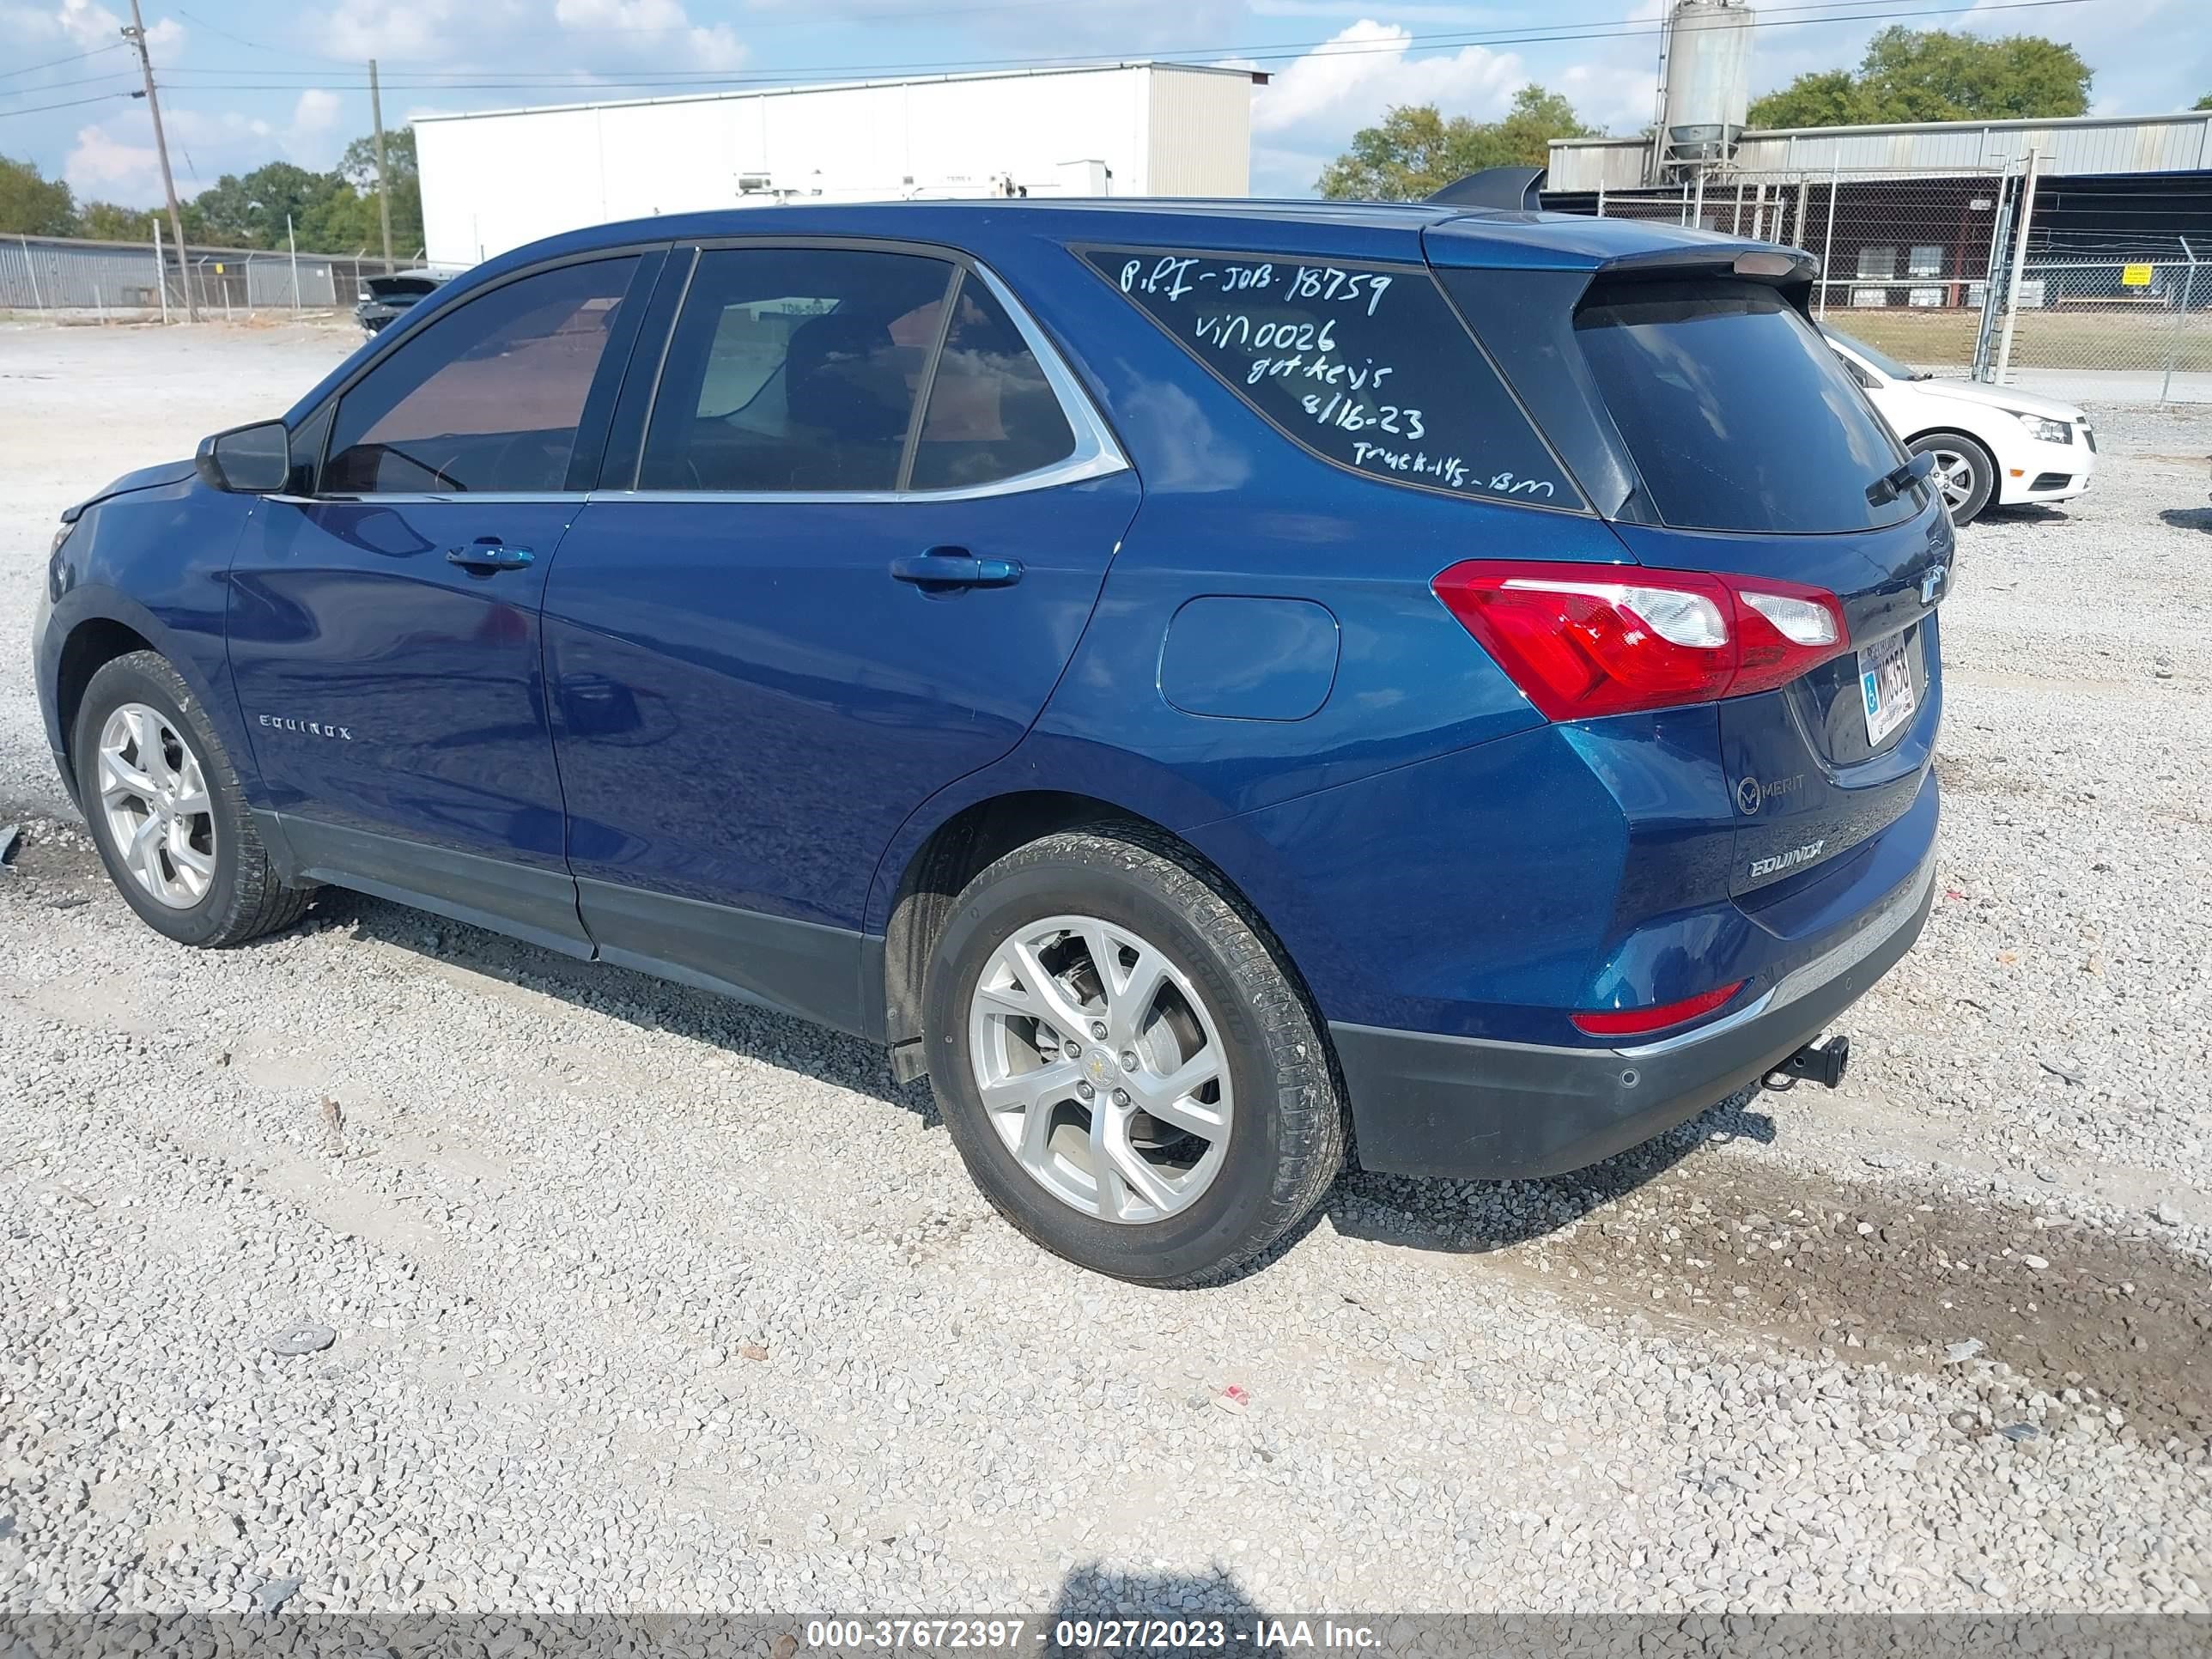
1886 688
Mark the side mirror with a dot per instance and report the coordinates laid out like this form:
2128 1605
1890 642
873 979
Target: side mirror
247 460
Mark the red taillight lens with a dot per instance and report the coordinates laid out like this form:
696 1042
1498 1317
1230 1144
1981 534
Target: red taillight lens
1583 641
1642 1022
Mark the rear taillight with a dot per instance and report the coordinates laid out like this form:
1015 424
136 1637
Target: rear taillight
1583 641
1642 1022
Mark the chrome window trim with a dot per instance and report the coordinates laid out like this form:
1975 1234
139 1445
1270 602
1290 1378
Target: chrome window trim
1096 454
419 498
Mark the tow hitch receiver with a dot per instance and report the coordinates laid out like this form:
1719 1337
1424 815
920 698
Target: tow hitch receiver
1823 1063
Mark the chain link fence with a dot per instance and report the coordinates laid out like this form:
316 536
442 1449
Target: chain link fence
1927 268
133 281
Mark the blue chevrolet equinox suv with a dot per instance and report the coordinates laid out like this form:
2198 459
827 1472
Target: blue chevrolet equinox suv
1215 685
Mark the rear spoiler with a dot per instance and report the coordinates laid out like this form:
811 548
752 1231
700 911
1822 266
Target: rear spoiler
1760 262
1515 189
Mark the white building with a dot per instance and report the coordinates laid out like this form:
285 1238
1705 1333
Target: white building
495 180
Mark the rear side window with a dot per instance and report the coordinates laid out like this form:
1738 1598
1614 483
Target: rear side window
1735 411
992 413
794 369
1367 366
487 397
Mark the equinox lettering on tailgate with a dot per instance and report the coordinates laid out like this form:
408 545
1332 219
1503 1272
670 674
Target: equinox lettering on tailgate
1788 860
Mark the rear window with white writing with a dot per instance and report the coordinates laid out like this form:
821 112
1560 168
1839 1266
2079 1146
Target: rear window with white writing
1366 365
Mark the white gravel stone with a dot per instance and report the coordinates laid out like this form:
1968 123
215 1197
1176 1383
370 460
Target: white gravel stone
643 1300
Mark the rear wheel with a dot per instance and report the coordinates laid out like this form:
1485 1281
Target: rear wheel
1128 1071
167 813
1964 472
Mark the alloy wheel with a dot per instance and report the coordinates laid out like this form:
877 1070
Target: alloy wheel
1102 1069
154 794
1954 476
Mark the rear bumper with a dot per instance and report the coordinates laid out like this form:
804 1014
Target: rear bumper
1481 1109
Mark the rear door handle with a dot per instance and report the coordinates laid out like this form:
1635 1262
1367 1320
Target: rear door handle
488 558
955 566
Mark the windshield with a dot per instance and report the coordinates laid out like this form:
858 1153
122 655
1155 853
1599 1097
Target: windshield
1881 359
1738 416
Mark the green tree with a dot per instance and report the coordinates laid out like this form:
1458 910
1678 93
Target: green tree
1416 149
110 221
2205 102
357 166
1936 75
248 210
33 205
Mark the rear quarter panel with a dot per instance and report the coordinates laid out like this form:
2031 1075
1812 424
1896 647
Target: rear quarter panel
1232 508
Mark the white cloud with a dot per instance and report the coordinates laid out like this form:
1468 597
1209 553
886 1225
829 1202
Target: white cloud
1350 80
115 159
316 111
1613 96
395 33
1417 11
84 23
665 23
104 164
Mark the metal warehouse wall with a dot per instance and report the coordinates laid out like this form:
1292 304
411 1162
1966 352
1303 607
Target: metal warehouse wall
1200 142
2089 144
495 181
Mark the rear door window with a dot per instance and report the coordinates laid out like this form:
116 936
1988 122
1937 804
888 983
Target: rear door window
1735 411
795 370
1366 366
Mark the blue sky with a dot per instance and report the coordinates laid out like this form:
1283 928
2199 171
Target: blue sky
249 81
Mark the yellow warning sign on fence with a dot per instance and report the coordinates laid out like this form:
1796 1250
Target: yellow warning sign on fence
2134 275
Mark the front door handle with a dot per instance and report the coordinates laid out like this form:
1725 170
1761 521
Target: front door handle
486 558
944 568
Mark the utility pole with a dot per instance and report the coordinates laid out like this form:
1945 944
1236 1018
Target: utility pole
383 179
136 34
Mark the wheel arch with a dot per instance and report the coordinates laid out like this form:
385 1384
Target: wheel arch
1981 445
969 840
93 624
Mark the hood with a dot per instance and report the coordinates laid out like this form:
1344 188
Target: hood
146 477
1999 397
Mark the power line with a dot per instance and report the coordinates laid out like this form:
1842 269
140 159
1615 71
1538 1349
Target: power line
52 63
1634 26
1623 29
57 86
73 103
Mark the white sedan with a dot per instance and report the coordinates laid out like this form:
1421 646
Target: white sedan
1994 446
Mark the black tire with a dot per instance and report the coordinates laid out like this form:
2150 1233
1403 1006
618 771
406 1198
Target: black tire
244 899
1287 1136
1981 470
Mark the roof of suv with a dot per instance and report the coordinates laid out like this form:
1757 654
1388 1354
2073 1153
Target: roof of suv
1344 230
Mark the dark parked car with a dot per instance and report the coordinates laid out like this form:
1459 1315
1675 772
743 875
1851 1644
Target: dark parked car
1207 682
384 298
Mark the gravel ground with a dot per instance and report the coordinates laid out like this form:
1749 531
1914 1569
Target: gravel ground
387 1264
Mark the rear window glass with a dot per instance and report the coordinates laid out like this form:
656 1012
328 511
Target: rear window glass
1737 414
1367 366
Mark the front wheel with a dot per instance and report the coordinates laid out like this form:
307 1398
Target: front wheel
166 811
1129 1072
1963 473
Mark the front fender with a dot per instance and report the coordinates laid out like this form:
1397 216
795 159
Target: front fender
156 562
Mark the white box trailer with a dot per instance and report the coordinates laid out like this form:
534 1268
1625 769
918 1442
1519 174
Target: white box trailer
494 180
